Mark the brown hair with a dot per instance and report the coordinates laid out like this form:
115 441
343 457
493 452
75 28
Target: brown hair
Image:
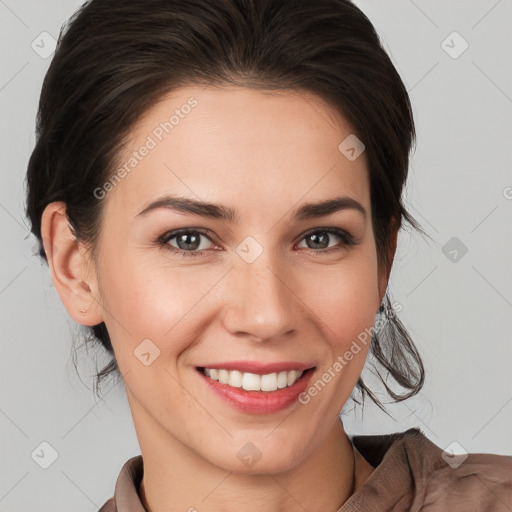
116 58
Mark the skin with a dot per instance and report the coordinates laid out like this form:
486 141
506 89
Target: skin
263 154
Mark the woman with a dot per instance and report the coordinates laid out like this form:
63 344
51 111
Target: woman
217 190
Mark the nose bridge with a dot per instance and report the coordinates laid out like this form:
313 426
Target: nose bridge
263 305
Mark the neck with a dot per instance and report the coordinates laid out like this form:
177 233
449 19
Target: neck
176 479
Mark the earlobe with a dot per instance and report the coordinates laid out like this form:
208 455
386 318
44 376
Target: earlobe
67 265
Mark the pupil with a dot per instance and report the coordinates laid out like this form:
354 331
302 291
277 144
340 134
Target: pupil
322 241
185 243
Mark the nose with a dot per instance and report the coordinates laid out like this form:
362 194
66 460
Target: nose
261 303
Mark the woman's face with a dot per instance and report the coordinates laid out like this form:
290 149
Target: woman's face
261 277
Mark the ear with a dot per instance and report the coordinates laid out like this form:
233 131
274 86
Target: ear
67 260
384 275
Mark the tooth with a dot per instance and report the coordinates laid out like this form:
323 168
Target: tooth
235 379
269 382
282 380
293 376
251 382
223 376
214 374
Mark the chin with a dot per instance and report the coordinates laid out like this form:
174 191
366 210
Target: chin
250 459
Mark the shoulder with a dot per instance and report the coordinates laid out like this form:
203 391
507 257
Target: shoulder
126 489
437 479
109 506
468 481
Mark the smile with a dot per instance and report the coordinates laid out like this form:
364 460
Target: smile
268 398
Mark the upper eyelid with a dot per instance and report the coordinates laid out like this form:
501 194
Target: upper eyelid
175 232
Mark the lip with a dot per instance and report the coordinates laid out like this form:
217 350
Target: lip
258 367
259 402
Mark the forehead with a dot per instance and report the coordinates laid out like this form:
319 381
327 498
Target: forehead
238 144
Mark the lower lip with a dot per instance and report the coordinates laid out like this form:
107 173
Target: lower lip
259 402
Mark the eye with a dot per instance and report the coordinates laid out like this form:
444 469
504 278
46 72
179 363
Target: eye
187 242
320 240
192 242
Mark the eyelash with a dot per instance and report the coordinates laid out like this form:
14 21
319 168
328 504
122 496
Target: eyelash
347 240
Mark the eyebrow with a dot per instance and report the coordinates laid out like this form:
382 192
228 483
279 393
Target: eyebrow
216 211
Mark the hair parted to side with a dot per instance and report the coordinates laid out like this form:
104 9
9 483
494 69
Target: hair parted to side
116 58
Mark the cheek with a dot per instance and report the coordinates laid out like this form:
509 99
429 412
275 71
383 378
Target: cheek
152 298
345 304
345 298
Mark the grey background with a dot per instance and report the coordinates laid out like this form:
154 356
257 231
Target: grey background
458 312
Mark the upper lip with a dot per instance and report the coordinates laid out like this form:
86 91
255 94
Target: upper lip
259 368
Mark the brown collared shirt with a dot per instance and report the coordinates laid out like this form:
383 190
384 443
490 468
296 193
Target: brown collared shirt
411 474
